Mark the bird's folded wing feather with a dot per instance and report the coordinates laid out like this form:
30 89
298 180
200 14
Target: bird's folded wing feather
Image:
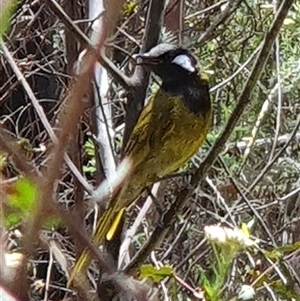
149 131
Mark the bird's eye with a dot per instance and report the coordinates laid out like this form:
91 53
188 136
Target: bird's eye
184 62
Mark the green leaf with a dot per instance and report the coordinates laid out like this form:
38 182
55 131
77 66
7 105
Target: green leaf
157 275
285 291
89 148
6 9
277 253
21 198
24 195
89 169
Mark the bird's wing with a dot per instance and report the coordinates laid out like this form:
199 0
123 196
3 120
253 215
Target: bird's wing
138 131
149 126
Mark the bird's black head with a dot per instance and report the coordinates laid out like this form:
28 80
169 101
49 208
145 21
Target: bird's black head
180 75
169 62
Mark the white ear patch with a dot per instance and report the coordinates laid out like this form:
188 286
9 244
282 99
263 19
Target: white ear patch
184 62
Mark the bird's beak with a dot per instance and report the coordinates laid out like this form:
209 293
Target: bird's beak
145 59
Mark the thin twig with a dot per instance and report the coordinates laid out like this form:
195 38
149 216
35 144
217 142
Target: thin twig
180 21
279 94
274 159
251 142
236 73
132 231
205 10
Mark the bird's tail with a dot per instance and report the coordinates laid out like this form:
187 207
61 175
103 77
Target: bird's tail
108 220
115 225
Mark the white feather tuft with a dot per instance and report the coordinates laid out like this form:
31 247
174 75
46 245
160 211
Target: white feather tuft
184 62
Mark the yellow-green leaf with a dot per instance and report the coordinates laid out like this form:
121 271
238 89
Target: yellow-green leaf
156 274
21 197
6 8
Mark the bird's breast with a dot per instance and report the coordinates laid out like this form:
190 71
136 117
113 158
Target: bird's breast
184 136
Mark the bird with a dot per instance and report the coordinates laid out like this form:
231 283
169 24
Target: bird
170 130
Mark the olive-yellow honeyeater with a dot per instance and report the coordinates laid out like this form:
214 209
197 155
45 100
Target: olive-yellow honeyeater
169 131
